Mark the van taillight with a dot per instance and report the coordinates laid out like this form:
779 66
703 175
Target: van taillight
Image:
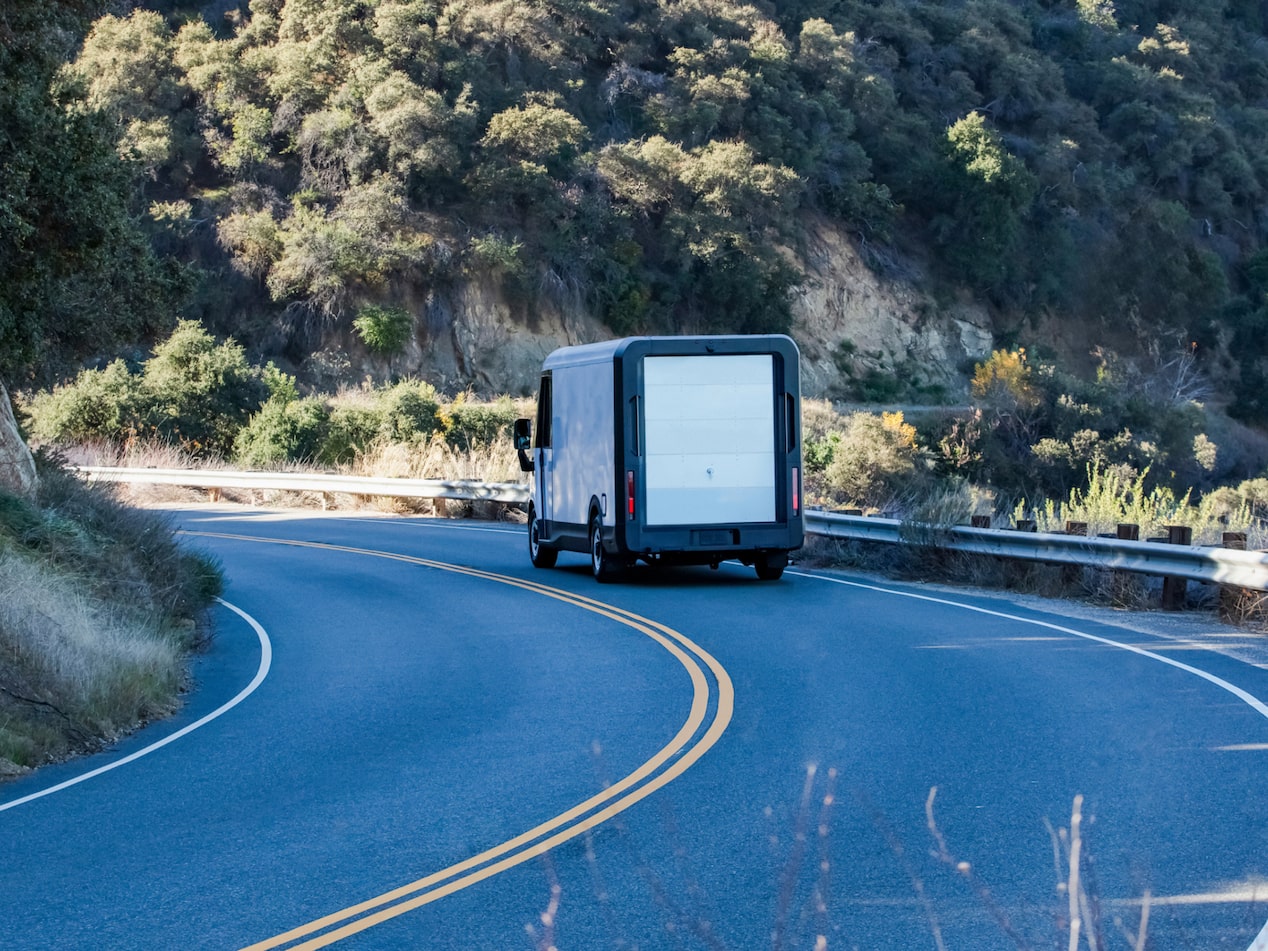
796 491
629 493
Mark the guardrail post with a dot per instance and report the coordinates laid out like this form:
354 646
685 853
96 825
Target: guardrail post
1175 590
1072 575
1025 525
1234 601
980 521
1122 583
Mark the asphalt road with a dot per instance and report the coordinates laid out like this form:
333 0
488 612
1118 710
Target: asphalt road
427 744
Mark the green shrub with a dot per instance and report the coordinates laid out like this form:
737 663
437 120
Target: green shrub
876 460
351 431
408 412
384 330
283 431
201 392
469 425
818 454
100 405
194 393
1115 494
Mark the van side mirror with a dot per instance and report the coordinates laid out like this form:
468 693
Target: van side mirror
523 434
523 438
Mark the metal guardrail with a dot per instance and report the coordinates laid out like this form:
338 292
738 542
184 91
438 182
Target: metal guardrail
461 489
1245 569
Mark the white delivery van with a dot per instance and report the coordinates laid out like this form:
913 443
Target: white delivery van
670 450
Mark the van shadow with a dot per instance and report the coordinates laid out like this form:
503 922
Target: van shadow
677 576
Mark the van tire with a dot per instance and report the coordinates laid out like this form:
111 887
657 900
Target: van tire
542 556
771 567
603 566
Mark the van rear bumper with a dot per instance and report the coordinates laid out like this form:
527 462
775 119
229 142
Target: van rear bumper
680 544
709 542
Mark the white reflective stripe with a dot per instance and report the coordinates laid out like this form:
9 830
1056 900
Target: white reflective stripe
266 661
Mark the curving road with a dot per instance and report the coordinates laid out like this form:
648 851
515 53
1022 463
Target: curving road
405 737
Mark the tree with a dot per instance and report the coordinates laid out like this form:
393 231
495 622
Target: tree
127 73
77 271
984 193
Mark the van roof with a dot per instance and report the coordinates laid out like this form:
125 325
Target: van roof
606 350
602 352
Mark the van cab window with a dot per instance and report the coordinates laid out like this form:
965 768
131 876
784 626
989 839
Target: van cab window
542 437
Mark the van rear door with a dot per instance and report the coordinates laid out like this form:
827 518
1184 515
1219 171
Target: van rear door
710 439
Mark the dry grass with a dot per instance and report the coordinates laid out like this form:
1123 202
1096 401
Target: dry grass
76 670
98 609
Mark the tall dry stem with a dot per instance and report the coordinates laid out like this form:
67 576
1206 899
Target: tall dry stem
1072 884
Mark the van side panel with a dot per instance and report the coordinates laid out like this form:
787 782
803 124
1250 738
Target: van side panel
583 452
710 439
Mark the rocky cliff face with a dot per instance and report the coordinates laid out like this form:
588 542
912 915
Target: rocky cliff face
17 468
848 322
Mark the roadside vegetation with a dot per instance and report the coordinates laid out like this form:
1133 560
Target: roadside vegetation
1132 445
99 609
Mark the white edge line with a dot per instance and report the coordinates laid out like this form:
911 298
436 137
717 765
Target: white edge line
266 660
1249 699
1261 942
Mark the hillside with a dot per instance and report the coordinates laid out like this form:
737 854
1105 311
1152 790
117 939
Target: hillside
1064 175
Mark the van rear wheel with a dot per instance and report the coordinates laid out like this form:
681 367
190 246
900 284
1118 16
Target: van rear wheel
603 566
771 567
540 555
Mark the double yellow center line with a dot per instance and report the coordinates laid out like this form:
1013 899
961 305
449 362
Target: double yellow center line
670 762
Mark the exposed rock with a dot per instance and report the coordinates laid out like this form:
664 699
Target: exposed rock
17 468
11 770
844 315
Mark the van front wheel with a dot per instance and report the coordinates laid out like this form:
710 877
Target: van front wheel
603 566
539 554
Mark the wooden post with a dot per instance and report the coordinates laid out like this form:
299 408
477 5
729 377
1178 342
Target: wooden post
1121 582
1026 525
1176 590
1233 600
1072 575
980 521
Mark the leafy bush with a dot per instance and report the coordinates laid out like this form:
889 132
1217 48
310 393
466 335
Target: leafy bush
194 393
468 424
408 412
1114 495
384 330
876 460
283 431
106 404
200 392
350 433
